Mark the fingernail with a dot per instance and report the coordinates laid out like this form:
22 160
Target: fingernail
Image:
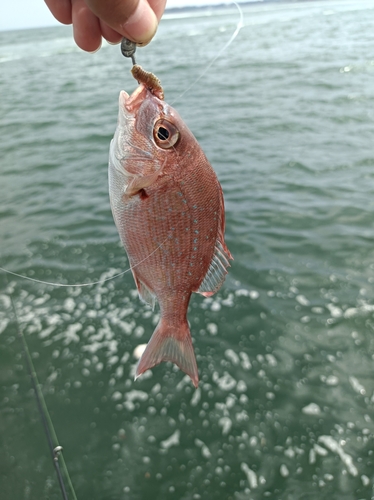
142 25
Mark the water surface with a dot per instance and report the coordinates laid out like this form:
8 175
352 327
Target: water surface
285 350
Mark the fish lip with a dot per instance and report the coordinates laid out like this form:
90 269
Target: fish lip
132 103
124 96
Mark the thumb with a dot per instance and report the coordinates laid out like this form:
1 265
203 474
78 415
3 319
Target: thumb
133 19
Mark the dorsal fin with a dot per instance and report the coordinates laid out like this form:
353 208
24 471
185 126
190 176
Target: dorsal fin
217 270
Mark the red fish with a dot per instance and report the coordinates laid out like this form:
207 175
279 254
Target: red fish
168 207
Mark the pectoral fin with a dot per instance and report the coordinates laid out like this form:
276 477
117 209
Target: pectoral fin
139 183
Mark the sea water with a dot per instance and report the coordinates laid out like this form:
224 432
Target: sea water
285 405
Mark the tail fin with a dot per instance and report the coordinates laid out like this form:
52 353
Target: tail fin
170 344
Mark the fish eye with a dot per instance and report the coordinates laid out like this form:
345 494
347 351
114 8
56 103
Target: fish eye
165 134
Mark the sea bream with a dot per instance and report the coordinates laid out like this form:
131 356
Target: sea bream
168 207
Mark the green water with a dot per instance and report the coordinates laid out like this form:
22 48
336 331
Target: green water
285 406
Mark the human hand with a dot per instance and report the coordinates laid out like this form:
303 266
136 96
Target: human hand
136 20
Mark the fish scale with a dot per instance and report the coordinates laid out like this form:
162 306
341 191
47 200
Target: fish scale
150 223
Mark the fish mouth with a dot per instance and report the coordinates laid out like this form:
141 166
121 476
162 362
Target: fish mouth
132 103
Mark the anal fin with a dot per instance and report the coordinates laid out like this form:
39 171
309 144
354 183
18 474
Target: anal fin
145 293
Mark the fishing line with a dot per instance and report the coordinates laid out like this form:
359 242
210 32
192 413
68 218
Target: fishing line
82 284
239 26
54 448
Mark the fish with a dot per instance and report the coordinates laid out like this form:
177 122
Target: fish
168 207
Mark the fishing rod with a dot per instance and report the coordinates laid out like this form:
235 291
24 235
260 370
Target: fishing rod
54 448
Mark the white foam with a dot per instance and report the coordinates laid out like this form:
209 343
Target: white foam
216 306
125 326
71 333
246 364
132 396
241 386
357 386
173 440
112 360
47 331
367 307
335 311
251 475
241 416
226 424
6 301
351 312
204 449
271 359
138 351
135 395
125 357
284 472
185 381
229 301
212 328
116 396
331 380
156 388
226 382
312 409
3 324
230 401
253 441
302 300
289 452
126 311
312 456
69 305
305 319
335 447
196 397
319 450
232 356
41 300
139 331
365 480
